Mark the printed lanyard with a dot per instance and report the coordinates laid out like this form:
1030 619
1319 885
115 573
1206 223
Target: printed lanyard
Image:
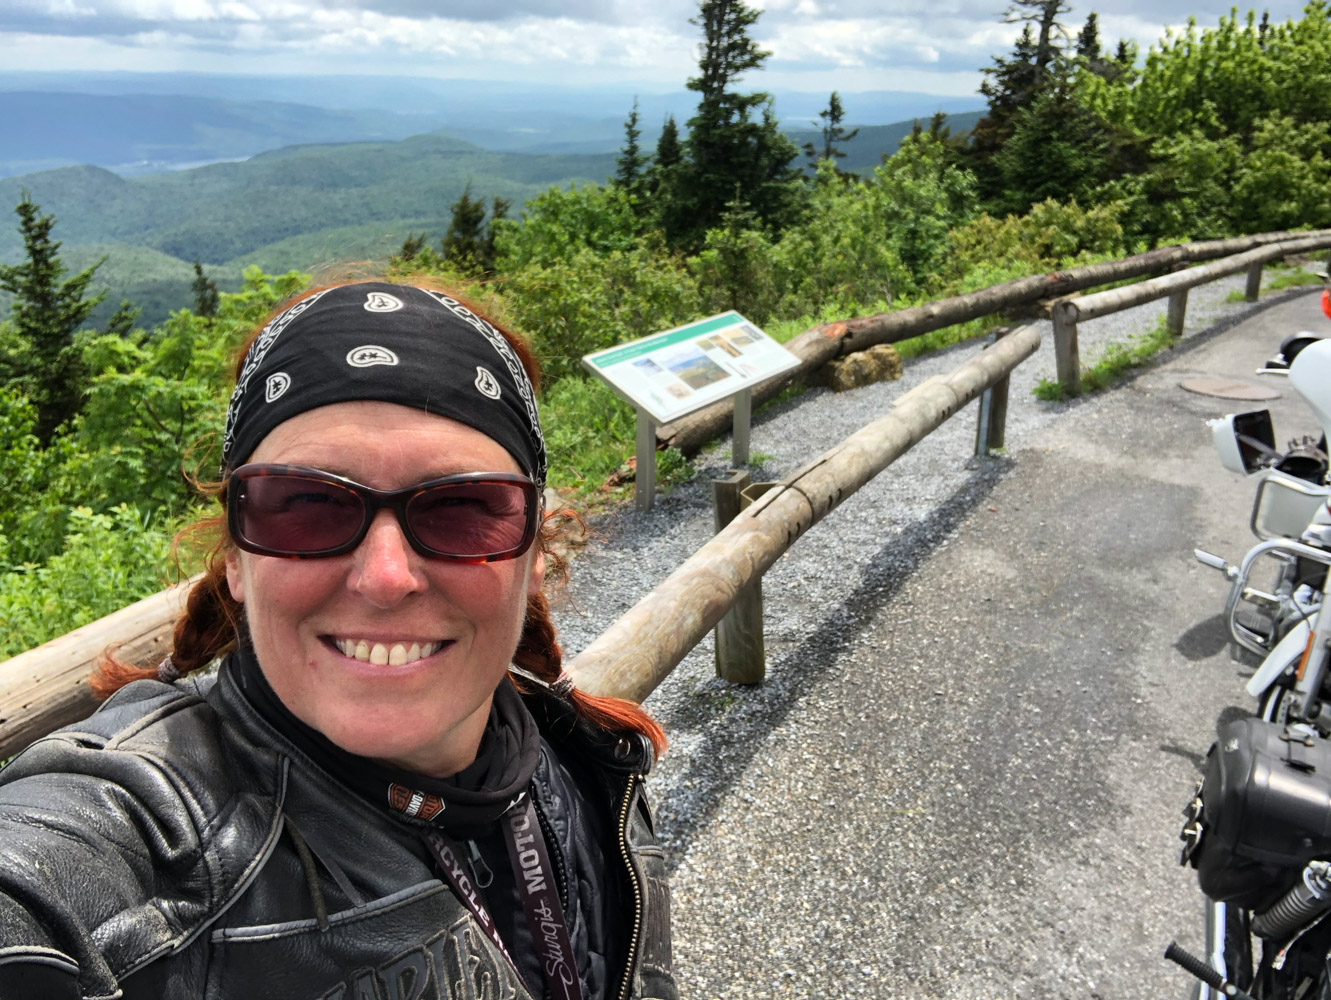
534 876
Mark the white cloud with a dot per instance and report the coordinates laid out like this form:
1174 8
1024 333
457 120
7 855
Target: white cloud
936 47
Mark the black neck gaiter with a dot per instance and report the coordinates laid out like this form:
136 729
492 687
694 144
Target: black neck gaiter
463 806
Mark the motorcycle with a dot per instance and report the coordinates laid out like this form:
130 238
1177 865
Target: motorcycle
1258 828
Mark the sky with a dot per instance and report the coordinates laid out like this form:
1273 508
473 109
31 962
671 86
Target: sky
924 46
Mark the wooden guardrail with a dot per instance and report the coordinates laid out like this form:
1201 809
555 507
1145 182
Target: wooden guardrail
1066 313
822 344
635 654
46 687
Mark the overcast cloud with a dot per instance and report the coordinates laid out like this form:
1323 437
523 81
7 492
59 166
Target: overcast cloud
817 45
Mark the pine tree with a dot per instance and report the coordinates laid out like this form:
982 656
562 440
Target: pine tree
463 244
498 210
661 175
205 292
1088 39
630 173
411 246
734 143
668 149
1045 14
47 311
831 117
121 323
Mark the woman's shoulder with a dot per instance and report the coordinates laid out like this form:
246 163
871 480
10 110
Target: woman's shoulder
616 752
123 834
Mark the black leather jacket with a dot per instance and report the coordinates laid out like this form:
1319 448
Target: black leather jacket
174 845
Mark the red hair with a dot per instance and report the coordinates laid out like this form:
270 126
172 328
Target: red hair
208 627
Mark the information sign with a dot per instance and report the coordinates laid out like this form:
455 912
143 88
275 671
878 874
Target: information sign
671 374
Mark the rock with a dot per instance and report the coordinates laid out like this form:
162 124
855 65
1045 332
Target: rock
879 363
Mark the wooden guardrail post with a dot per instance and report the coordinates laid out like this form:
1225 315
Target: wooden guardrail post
1178 309
991 428
1067 361
1254 286
740 655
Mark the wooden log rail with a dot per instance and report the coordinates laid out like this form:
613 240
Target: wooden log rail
47 687
1067 313
822 344
632 656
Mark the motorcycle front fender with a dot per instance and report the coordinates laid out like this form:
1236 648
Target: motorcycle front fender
1288 650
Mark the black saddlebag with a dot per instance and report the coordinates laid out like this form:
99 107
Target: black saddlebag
1262 813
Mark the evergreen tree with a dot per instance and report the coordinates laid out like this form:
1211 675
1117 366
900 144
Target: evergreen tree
734 141
121 323
1009 85
205 292
662 173
1059 149
463 244
669 152
1045 14
47 311
1088 39
630 173
411 246
498 210
831 117
1125 61
1090 54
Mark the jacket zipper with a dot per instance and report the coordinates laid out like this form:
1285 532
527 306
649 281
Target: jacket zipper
555 851
635 882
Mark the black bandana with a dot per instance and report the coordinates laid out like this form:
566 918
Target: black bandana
463 806
391 343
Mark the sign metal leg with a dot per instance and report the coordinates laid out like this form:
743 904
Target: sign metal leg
644 479
739 445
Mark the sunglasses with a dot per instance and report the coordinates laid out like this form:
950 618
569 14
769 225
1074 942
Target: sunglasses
302 513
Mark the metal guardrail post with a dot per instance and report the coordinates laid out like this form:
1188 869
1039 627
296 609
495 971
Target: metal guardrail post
644 474
1254 286
740 654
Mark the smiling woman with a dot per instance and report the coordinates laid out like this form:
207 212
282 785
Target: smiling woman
388 789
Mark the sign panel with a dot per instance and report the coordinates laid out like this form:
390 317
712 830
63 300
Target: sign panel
673 373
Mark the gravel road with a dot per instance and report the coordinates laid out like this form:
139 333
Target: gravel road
922 800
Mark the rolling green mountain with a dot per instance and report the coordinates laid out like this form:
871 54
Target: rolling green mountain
148 133
867 149
303 207
310 207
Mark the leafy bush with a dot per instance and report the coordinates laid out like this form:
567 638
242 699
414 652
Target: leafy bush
108 561
987 251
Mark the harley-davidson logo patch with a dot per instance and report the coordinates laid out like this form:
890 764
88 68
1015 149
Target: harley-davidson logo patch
417 805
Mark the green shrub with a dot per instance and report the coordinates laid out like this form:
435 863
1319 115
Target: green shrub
108 561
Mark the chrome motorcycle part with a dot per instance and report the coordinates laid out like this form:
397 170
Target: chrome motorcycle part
1281 548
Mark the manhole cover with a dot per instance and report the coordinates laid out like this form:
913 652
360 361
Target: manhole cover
1228 388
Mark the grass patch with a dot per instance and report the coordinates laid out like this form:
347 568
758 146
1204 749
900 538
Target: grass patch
1120 356
1278 278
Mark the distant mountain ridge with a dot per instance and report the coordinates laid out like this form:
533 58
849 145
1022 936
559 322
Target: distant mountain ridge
308 205
136 123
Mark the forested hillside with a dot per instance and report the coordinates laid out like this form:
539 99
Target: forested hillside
1086 151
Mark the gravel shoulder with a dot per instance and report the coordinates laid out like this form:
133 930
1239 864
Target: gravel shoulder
990 683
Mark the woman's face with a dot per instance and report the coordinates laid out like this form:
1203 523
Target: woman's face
426 715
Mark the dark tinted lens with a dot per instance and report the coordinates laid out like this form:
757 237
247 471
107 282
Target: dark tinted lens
294 514
470 519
